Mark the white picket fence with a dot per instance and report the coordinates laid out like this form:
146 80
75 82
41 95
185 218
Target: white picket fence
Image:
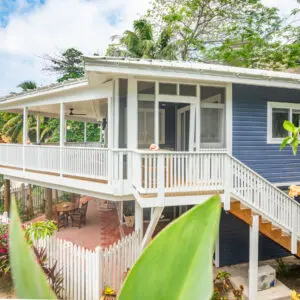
85 272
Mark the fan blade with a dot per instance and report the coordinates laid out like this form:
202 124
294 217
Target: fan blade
78 114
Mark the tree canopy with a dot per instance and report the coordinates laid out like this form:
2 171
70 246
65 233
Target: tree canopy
142 43
236 32
68 64
27 85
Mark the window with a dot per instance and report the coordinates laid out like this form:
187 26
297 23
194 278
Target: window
187 90
146 90
278 112
212 117
146 124
168 89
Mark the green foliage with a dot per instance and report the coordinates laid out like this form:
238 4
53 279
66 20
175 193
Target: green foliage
236 32
142 43
293 138
178 262
27 85
282 268
39 230
67 64
29 279
54 276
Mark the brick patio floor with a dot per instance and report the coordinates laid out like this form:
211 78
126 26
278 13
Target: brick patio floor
102 227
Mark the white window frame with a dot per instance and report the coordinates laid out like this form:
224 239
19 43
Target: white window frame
162 122
271 105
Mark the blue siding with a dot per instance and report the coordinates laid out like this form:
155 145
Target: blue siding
234 242
249 137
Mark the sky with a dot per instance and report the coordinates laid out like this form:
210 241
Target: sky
29 29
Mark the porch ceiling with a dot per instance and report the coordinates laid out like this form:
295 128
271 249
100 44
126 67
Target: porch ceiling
93 110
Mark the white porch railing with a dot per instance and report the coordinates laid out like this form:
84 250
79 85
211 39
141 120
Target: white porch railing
178 171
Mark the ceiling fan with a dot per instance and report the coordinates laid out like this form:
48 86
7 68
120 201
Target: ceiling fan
72 114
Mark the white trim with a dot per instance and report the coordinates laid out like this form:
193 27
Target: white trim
183 111
228 117
290 107
156 116
192 71
176 99
198 119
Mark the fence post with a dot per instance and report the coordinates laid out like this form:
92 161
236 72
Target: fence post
227 182
294 241
99 276
161 179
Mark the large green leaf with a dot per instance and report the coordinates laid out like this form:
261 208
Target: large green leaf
177 264
29 279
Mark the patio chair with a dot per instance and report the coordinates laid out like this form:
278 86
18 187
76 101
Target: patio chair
61 219
78 216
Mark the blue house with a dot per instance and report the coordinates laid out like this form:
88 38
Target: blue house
212 129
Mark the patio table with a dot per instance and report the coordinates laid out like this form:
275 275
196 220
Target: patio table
65 208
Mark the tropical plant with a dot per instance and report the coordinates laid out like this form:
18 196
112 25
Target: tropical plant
142 42
27 85
29 279
39 230
54 276
293 138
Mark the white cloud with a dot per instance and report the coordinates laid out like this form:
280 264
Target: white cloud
285 6
60 24
86 25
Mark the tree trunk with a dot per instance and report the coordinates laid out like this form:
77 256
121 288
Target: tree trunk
6 195
30 201
48 196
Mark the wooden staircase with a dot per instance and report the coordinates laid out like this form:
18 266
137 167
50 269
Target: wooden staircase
266 227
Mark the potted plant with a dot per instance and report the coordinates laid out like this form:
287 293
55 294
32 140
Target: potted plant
108 294
129 216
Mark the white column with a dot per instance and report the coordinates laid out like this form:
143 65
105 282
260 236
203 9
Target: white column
253 257
139 219
38 121
198 119
116 113
62 125
192 127
110 124
25 125
65 131
62 135
84 133
132 115
228 118
156 116
25 134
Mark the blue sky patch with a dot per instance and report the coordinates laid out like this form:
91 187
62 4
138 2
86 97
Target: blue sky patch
8 7
113 17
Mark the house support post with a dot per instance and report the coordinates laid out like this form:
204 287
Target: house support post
25 133
152 225
7 195
139 220
48 197
38 126
116 112
294 240
253 257
62 135
227 182
84 133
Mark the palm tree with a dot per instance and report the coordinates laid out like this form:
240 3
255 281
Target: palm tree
141 43
27 85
